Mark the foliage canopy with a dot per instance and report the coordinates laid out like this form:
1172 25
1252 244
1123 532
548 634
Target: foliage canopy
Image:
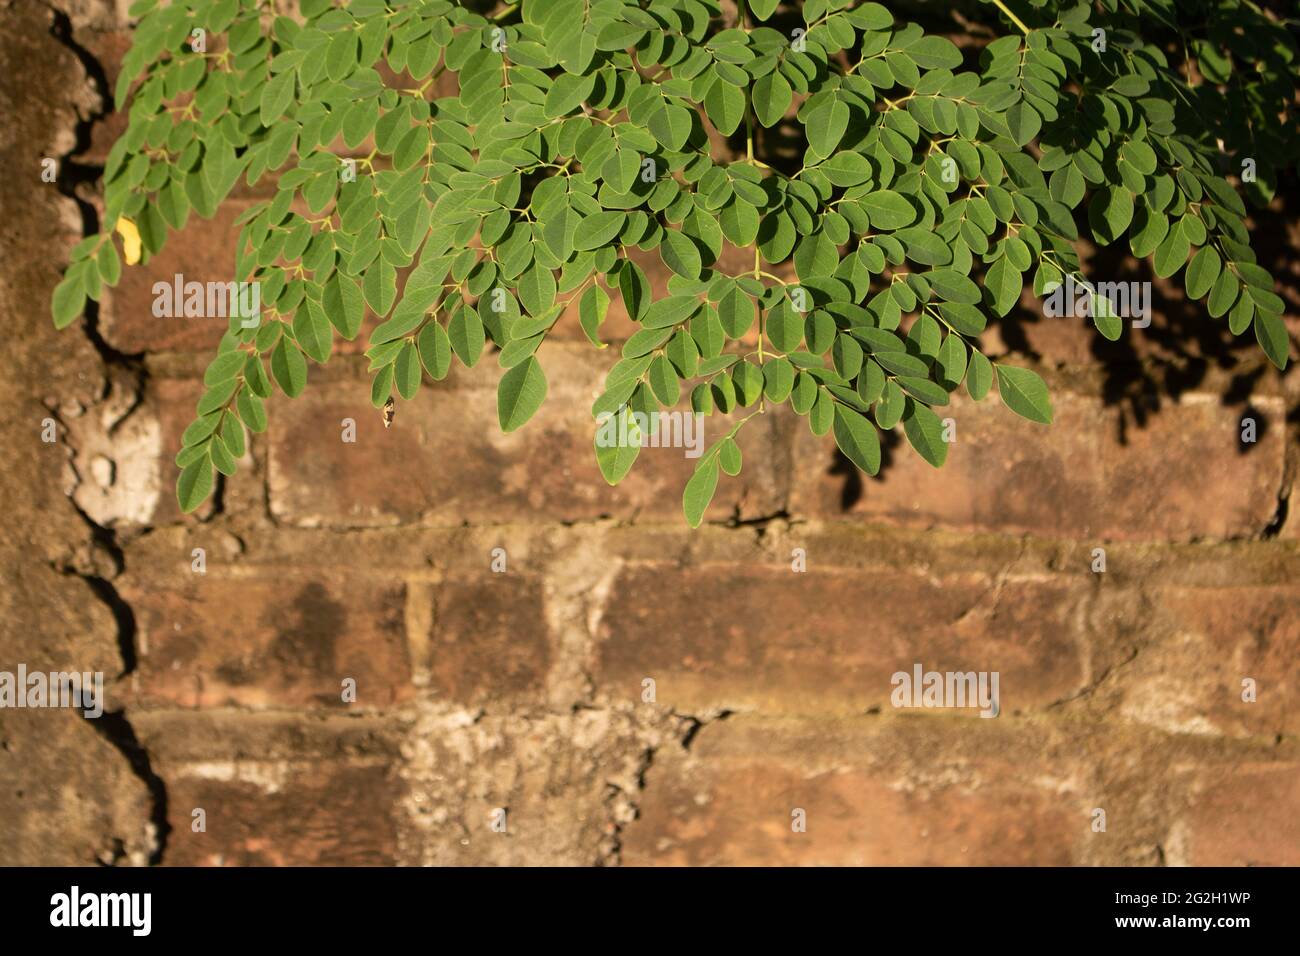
927 187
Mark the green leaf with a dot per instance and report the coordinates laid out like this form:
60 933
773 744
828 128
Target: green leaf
924 246
1004 284
1024 393
1241 314
778 379
289 368
748 381
1024 122
680 254
1172 252
598 230
671 311
592 308
725 105
736 312
664 380
108 263
276 97
729 456
567 92
924 432
804 393
952 361
1110 212
1203 271
618 442
825 126
1270 332
251 411
857 438
406 371
537 290
699 490
68 300
465 330
561 229
671 125
224 367
344 305
435 351
381 389
520 394
380 286
979 376
1223 294
847 169
194 484
410 148
341 55
313 332
1149 230
772 97
888 210
966 319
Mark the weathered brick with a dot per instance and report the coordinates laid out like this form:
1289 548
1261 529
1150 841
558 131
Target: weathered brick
284 813
731 800
1201 644
266 641
108 46
489 639
276 790
1244 816
1077 478
728 636
446 461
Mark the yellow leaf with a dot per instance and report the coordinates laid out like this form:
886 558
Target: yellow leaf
130 240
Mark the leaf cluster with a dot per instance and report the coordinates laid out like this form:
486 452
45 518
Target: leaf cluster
931 186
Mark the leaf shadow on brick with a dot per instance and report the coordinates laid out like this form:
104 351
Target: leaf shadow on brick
854 487
307 631
1147 369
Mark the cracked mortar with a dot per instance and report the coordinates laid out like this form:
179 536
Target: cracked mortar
84 790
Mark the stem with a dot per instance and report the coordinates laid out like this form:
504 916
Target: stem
497 18
1014 19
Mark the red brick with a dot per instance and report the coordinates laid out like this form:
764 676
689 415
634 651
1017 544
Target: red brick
730 802
724 636
108 47
1245 816
1074 478
490 639
446 461
1199 645
283 813
267 641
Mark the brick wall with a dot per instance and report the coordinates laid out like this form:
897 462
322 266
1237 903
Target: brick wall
523 690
